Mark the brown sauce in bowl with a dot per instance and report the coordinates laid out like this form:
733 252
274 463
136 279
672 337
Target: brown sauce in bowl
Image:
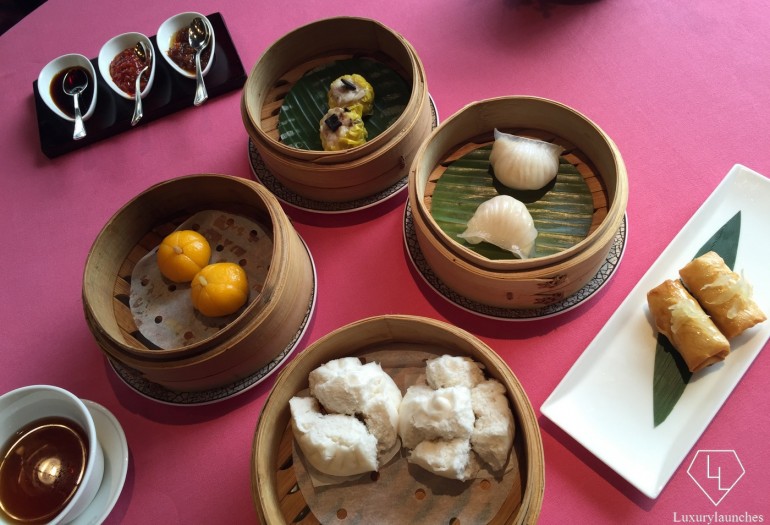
41 468
183 54
64 101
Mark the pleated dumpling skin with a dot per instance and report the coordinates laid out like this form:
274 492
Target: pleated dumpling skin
504 222
522 163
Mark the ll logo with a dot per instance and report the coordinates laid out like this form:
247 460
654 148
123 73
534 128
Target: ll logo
716 472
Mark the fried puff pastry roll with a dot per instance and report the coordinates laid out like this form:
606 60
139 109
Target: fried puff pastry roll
678 316
723 294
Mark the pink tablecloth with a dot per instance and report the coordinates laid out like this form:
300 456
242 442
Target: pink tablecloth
682 87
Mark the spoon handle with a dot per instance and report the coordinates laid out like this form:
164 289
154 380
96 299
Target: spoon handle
138 110
80 130
200 87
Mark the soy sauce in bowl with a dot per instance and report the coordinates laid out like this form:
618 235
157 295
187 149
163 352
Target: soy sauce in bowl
41 468
64 101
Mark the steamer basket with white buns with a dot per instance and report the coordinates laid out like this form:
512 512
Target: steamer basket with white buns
520 283
277 310
392 340
335 176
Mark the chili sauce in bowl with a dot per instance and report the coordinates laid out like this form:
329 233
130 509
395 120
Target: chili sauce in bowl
119 65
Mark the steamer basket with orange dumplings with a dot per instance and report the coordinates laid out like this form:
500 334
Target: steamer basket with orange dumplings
520 283
262 329
336 176
277 495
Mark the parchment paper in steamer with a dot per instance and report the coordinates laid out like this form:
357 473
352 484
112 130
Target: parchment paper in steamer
163 310
401 492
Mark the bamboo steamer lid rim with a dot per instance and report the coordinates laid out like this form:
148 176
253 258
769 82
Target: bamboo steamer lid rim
264 490
252 115
226 336
424 163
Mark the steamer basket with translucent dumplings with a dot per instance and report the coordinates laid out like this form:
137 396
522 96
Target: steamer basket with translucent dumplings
520 283
335 176
238 348
278 497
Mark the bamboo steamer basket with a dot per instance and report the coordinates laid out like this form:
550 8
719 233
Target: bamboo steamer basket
520 283
335 176
260 332
274 484
315 44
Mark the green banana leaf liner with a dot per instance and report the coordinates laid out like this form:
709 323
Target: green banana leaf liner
306 102
562 211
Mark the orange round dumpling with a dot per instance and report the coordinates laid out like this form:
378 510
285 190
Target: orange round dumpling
219 289
182 254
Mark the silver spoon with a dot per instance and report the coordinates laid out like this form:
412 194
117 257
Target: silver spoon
145 56
199 36
74 83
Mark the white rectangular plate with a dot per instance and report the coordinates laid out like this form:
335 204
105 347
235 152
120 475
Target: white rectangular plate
605 400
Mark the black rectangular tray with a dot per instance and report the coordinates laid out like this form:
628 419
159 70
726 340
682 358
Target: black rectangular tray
170 93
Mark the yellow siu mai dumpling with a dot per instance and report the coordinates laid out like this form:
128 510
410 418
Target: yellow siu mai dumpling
342 128
350 90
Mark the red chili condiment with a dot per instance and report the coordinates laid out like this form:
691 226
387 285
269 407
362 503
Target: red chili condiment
182 53
124 69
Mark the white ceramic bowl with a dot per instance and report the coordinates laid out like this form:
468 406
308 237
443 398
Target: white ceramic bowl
27 404
111 49
167 30
50 71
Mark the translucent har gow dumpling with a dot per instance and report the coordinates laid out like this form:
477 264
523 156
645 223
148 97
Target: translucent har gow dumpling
504 222
522 163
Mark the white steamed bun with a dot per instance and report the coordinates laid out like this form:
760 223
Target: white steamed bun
457 417
335 444
447 458
449 370
346 386
493 431
428 414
